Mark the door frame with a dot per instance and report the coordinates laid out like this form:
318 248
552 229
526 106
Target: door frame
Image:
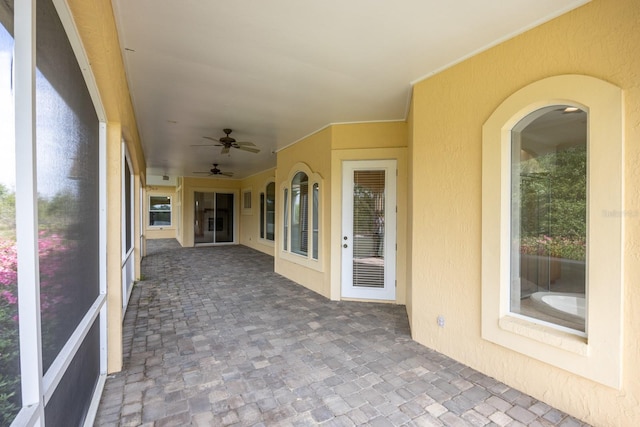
191 212
334 254
388 292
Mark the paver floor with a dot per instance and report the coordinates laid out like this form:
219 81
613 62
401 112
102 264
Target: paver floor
213 337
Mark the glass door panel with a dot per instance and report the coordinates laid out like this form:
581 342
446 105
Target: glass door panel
368 224
213 218
224 218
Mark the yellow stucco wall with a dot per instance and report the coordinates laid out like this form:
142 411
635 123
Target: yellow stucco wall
250 222
369 135
96 27
323 152
315 152
449 109
370 141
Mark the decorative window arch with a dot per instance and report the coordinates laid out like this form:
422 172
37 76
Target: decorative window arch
301 216
596 352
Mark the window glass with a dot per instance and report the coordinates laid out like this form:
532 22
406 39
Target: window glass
300 213
128 208
67 143
10 401
262 218
285 229
159 211
316 202
271 211
549 220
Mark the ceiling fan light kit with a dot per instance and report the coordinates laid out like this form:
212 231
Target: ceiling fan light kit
228 142
216 171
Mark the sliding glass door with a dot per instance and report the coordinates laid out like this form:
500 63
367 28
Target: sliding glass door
214 218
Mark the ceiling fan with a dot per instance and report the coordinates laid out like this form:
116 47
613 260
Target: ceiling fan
216 171
227 142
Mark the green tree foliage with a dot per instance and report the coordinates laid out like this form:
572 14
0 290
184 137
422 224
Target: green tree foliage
554 203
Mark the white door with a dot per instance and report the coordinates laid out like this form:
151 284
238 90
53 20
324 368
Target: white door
369 229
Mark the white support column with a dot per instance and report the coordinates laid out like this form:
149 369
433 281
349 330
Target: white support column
27 209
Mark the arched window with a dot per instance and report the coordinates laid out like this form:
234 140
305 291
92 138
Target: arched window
552 215
301 218
549 215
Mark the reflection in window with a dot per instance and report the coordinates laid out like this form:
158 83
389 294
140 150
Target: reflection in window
316 220
159 211
285 229
67 150
268 212
548 226
301 220
10 395
300 213
67 143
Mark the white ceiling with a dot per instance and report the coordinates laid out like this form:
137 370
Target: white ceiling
276 71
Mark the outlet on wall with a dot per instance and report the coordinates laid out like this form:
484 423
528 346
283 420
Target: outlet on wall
440 321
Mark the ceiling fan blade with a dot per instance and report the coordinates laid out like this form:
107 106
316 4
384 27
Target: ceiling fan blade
249 149
211 139
246 143
201 172
225 150
226 173
205 145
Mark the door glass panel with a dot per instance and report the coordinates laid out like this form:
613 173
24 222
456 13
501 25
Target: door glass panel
10 398
368 228
214 218
204 225
224 218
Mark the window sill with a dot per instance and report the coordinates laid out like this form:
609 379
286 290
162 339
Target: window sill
545 334
302 260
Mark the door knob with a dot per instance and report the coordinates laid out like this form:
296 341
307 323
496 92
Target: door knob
344 246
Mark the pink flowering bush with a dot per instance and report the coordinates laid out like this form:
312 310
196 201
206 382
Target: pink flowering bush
9 356
53 254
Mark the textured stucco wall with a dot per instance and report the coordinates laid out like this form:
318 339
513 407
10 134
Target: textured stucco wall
449 109
250 224
315 152
370 141
96 27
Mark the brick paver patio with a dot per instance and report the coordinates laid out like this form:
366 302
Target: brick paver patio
213 337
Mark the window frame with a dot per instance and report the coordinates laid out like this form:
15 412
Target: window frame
264 213
149 211
313 257
38 386
516 218
599 357
247 196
